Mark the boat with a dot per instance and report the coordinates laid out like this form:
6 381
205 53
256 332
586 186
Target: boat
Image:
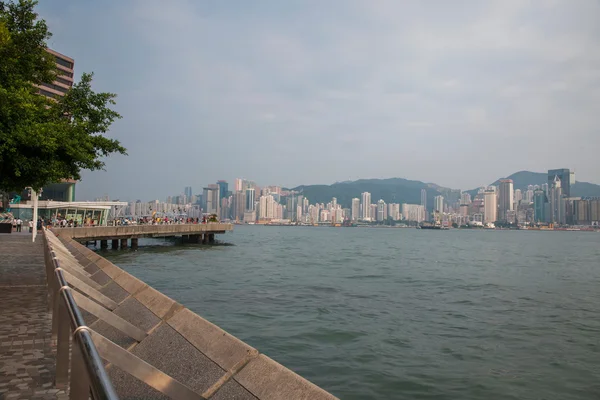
436 227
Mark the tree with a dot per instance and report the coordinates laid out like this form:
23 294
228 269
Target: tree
45 140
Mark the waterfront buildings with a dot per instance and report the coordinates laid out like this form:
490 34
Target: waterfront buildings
557 213
424 200
438 204
413 212
564 175
532 204
65 189
505 199
223 189
381 211
355 209
490 213
366 206
465 198
250 198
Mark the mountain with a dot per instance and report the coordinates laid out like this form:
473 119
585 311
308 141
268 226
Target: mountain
392 190
399 190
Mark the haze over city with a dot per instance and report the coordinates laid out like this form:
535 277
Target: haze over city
290 93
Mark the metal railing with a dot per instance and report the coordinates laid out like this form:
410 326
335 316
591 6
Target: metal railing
75 349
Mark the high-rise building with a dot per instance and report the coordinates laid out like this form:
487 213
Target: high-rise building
212 199
223 188
381 210
506 198
188 192
490 207
239 200
539 205
250 198
564 174
465 198
239 184
366 206
65 189
438 204
557 202
355 209
518 196
413 212
394 211
64 77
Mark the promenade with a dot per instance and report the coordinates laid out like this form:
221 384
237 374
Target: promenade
27 359
152 346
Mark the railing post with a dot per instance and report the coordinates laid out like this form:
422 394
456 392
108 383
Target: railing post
80 380
62 347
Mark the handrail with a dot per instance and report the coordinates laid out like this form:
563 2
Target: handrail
88 375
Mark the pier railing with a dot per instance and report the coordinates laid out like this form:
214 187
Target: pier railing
87 373
146 343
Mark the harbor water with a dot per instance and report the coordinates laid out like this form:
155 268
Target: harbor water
371 313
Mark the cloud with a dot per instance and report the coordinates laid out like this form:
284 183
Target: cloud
308 77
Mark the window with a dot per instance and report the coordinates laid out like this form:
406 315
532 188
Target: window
64 73
48 94
64 63
55 87
64 81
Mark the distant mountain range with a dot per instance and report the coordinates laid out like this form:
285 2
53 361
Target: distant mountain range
399 190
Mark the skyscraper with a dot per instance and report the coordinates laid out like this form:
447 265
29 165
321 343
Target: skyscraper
490 207
366 206
506 198
557 203
211 199
381 210
564 174
465 198
223 188
539 205
355 209
239 184
424 201
250 196
438 204
188 192
239 199
518 197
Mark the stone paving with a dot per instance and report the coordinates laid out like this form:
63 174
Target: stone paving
26 356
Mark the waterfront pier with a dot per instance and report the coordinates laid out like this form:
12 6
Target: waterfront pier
121 235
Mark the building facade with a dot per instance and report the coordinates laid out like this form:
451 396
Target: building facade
505 199
490 206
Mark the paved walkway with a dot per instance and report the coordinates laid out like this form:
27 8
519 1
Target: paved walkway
26 356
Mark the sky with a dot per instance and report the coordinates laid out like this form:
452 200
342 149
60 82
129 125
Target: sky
293 92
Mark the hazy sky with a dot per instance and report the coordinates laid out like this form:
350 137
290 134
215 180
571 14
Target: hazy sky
299 92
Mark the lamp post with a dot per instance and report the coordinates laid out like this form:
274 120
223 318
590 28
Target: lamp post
34 197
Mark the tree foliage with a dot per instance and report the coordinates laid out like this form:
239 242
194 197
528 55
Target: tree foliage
45 140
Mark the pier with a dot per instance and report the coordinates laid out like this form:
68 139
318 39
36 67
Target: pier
87 327
119 236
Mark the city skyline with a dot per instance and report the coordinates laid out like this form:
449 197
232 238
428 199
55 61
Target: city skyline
547 203
439 89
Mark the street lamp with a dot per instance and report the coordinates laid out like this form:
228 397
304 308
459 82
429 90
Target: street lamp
34 196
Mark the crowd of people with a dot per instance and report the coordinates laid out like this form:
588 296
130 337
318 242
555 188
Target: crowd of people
17 224
161 221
